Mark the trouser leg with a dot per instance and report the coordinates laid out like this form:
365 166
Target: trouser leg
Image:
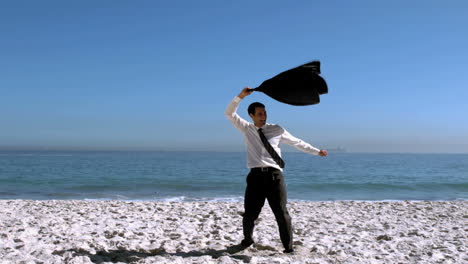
277 198
253 203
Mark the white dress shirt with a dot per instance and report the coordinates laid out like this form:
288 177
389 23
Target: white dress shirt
257 155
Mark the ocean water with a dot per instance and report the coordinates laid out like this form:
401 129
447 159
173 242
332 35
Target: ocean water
219 176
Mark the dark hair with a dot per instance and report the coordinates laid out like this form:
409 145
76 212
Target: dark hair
252 106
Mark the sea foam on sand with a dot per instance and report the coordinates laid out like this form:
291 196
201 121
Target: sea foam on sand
208 232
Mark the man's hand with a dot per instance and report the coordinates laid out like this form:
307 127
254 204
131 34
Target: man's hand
245 92
323 153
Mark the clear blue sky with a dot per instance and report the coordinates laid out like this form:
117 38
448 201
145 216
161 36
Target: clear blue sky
159 74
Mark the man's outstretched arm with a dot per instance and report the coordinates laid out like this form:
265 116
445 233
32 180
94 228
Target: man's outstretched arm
301 145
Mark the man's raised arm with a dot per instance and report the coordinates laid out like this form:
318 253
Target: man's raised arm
231 110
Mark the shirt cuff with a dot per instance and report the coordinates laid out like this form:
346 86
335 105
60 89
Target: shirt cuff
237 99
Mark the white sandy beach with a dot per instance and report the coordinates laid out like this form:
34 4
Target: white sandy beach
208 232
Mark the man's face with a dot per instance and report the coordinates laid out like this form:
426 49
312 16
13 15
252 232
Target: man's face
260 116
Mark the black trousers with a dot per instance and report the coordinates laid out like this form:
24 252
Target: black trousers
268 185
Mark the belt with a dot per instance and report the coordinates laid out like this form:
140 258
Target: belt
264 169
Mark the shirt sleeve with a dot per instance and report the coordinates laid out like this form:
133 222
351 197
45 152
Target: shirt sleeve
299 144
231 114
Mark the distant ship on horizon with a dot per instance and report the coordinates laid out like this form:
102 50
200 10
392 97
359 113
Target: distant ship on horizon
337 150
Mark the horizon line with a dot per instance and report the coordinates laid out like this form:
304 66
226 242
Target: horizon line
136 149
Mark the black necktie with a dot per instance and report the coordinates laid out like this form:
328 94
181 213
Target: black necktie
270 149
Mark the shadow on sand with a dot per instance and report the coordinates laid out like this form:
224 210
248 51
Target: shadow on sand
129 256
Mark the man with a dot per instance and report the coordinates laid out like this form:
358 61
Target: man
265 180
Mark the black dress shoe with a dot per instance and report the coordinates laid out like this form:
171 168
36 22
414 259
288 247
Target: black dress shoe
247 243
288 250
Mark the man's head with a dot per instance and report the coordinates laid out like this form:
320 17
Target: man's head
258 114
